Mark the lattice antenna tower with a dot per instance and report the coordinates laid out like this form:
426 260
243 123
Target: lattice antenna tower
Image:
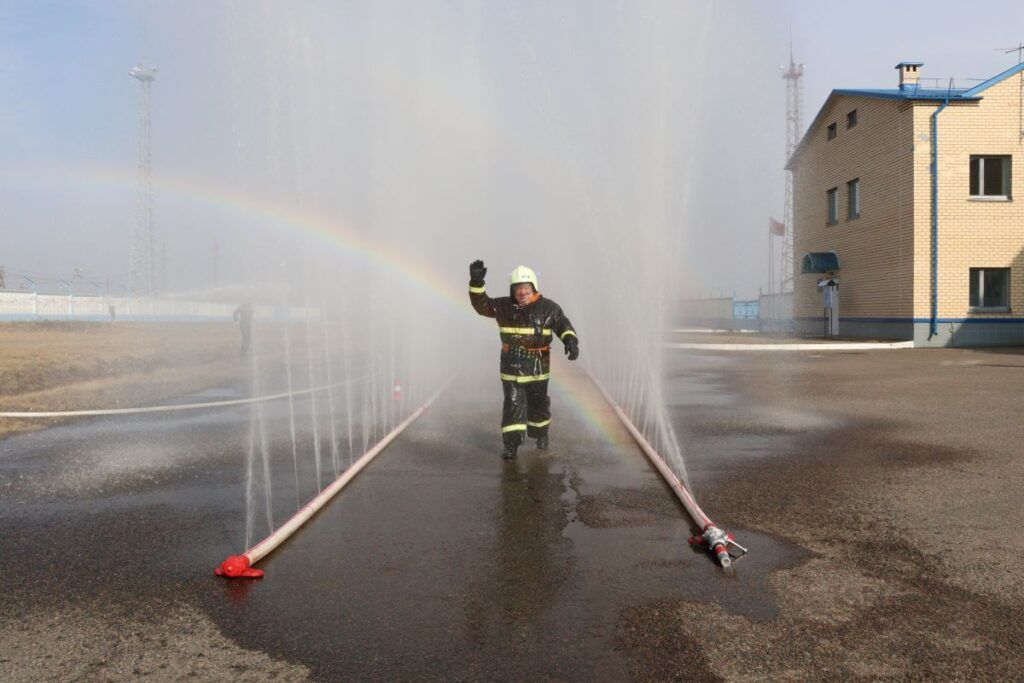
140 267
793 75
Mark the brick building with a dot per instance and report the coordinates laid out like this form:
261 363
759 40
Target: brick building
912 200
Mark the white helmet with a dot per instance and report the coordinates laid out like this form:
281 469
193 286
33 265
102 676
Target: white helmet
522 275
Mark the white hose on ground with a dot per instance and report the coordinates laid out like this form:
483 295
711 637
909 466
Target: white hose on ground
182 406
794 346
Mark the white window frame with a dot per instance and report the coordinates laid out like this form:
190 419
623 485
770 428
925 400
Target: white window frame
980 273
853 199
1005 160
832 199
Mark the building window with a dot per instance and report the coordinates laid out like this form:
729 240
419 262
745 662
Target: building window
853 198
831 130
990 177
851 119
990 289
833 206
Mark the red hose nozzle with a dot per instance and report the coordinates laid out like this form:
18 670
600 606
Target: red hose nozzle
238 567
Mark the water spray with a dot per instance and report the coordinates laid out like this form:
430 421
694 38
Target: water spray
240 566
711 538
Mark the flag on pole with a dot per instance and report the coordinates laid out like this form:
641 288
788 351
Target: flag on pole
776 228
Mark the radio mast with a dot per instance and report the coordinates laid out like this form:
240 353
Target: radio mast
792 74
140 267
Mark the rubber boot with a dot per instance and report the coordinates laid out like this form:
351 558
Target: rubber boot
509 453
542 443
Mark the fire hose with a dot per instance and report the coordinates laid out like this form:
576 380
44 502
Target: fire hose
711 537
240 566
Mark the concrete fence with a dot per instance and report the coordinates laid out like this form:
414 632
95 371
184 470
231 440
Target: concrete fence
771 313
776 313
31 306
716 313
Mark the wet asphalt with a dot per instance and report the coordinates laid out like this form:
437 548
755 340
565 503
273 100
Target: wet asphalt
439 561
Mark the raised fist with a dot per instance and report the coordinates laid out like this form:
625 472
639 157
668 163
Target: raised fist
477 273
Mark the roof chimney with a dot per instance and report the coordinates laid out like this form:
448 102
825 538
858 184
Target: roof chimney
910 74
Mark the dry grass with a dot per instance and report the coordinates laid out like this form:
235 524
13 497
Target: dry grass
74 366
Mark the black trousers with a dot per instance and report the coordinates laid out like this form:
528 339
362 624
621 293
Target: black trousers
526 411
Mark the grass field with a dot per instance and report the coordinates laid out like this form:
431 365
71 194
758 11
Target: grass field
51 366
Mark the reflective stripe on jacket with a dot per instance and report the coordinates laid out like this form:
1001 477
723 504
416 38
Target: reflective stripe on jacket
526 332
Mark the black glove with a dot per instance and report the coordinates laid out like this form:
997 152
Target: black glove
477 273
572 347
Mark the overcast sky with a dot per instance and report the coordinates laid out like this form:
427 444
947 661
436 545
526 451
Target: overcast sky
68 107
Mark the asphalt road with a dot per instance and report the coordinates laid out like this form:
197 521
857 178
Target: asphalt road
879 493
899 472
440 561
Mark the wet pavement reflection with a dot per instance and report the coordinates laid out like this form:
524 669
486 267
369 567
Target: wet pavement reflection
441 561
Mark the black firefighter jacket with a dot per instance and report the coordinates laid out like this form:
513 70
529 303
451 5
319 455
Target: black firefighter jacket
526 333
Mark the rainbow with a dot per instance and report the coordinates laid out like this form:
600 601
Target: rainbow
582 398
586 401
338 235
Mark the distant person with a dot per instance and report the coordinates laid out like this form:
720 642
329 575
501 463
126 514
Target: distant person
113 312
243 314
526 323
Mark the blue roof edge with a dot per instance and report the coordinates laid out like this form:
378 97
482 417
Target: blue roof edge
995 79
970 95
909 94
870 93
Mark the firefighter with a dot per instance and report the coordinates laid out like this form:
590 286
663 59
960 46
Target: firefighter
526 322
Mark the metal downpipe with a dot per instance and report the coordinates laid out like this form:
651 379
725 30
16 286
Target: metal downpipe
933 328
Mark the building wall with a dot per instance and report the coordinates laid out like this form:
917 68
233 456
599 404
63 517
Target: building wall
972 233
876 250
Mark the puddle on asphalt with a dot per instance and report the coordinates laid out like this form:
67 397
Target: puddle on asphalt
624 520
696 389
630 539
694 381
657 547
